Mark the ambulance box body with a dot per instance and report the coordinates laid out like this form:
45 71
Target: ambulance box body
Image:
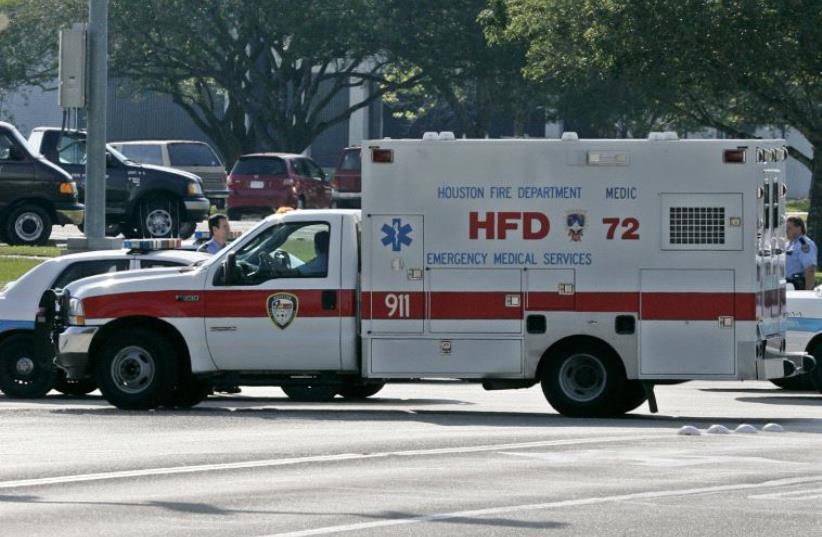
481 256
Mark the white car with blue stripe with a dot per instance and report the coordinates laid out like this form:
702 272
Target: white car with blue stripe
804 334
21 376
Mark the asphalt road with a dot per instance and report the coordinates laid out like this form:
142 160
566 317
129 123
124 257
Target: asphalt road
418 459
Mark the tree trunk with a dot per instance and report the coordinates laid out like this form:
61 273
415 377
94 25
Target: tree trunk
814 223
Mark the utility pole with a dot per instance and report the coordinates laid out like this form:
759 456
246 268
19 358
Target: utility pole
95 195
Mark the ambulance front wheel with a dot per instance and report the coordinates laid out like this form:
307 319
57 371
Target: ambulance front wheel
585 381
137 370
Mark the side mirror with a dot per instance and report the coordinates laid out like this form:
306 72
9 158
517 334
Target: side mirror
229 269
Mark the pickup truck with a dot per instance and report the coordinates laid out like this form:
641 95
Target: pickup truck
34 193
141 200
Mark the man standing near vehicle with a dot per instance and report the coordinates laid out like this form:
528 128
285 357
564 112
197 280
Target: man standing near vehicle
220 230
800 264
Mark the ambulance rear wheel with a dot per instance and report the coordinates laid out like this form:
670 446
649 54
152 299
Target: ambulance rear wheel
310 393
360 391
137 370
586 381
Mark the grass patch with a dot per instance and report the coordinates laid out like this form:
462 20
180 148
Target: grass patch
797 206
12 268
39 251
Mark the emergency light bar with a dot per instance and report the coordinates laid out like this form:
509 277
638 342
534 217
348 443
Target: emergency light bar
150 245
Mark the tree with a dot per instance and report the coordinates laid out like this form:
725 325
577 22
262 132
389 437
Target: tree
464 81
728 64
29 40
253 74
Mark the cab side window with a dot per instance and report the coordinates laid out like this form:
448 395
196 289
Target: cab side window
84 269
146 154
9 152
294 250
71 150
158 263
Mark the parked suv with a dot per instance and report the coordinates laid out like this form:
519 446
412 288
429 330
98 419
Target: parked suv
141 200
346 185
262 182
34 193
190 156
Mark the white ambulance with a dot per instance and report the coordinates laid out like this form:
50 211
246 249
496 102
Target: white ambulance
594 267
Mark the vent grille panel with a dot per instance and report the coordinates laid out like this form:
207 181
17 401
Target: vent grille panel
697 225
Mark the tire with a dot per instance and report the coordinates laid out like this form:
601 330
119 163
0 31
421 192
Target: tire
360 391
800 383
816 374
190 392
74 388
633 396
157 218
187 229
311 393
136 370
28 225
21 377
586 381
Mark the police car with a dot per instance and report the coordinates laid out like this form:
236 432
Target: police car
21 376
804 333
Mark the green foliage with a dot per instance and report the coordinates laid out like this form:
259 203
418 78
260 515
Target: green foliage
253 74
29 39
33 251
12 268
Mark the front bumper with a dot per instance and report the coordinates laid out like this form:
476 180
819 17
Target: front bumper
782 364
197 208
217 198
72 351
337 195
70 214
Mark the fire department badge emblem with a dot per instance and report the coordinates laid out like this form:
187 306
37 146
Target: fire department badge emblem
282 308
576 225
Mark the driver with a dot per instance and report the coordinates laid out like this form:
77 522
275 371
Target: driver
318 265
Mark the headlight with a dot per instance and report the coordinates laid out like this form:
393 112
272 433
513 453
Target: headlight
194 189
67 187
76 315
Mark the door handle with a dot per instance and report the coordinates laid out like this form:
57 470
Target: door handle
329 300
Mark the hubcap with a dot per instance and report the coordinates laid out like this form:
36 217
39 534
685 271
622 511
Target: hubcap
24 366
132 370
159 223
582 377
29 226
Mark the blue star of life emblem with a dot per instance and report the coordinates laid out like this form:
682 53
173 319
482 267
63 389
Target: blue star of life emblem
397 234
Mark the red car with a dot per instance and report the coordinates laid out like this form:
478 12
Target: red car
261 183
347 183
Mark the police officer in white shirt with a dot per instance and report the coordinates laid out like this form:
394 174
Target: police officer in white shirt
800 264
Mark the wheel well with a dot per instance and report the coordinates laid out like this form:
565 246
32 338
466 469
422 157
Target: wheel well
6 335
817 339
43 204
157 195
572 342
128 323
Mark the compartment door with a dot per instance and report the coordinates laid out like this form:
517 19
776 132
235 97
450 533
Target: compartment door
476 301
395 299
687 325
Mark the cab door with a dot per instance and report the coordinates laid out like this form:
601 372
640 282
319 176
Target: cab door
281 311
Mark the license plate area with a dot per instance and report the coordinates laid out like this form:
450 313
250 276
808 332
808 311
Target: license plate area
256 184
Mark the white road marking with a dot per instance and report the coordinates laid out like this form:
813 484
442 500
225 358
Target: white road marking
672 460
807 494
548 505
269 463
